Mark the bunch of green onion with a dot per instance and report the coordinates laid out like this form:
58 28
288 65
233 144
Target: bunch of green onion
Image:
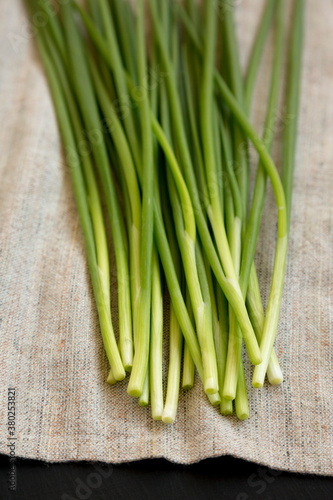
161 123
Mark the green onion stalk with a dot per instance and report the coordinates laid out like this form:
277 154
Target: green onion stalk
248 274
226 406
233 213
142 327
238 179
175 334
289 147
156 347
156 359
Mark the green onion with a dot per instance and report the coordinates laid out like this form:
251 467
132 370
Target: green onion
248 274
164 126
226 407
175 334
156 354
289 146
142 326
290 122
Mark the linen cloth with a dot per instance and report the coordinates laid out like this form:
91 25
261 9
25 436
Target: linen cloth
50 345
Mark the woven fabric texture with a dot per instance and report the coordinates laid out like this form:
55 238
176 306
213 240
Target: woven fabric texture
50 345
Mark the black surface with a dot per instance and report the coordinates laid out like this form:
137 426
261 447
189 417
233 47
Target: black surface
219 478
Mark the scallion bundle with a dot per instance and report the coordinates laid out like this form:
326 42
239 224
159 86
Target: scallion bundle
163 123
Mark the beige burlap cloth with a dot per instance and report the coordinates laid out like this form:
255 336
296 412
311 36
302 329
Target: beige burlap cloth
50 345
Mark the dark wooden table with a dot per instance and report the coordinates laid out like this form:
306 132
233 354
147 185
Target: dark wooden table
219 478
